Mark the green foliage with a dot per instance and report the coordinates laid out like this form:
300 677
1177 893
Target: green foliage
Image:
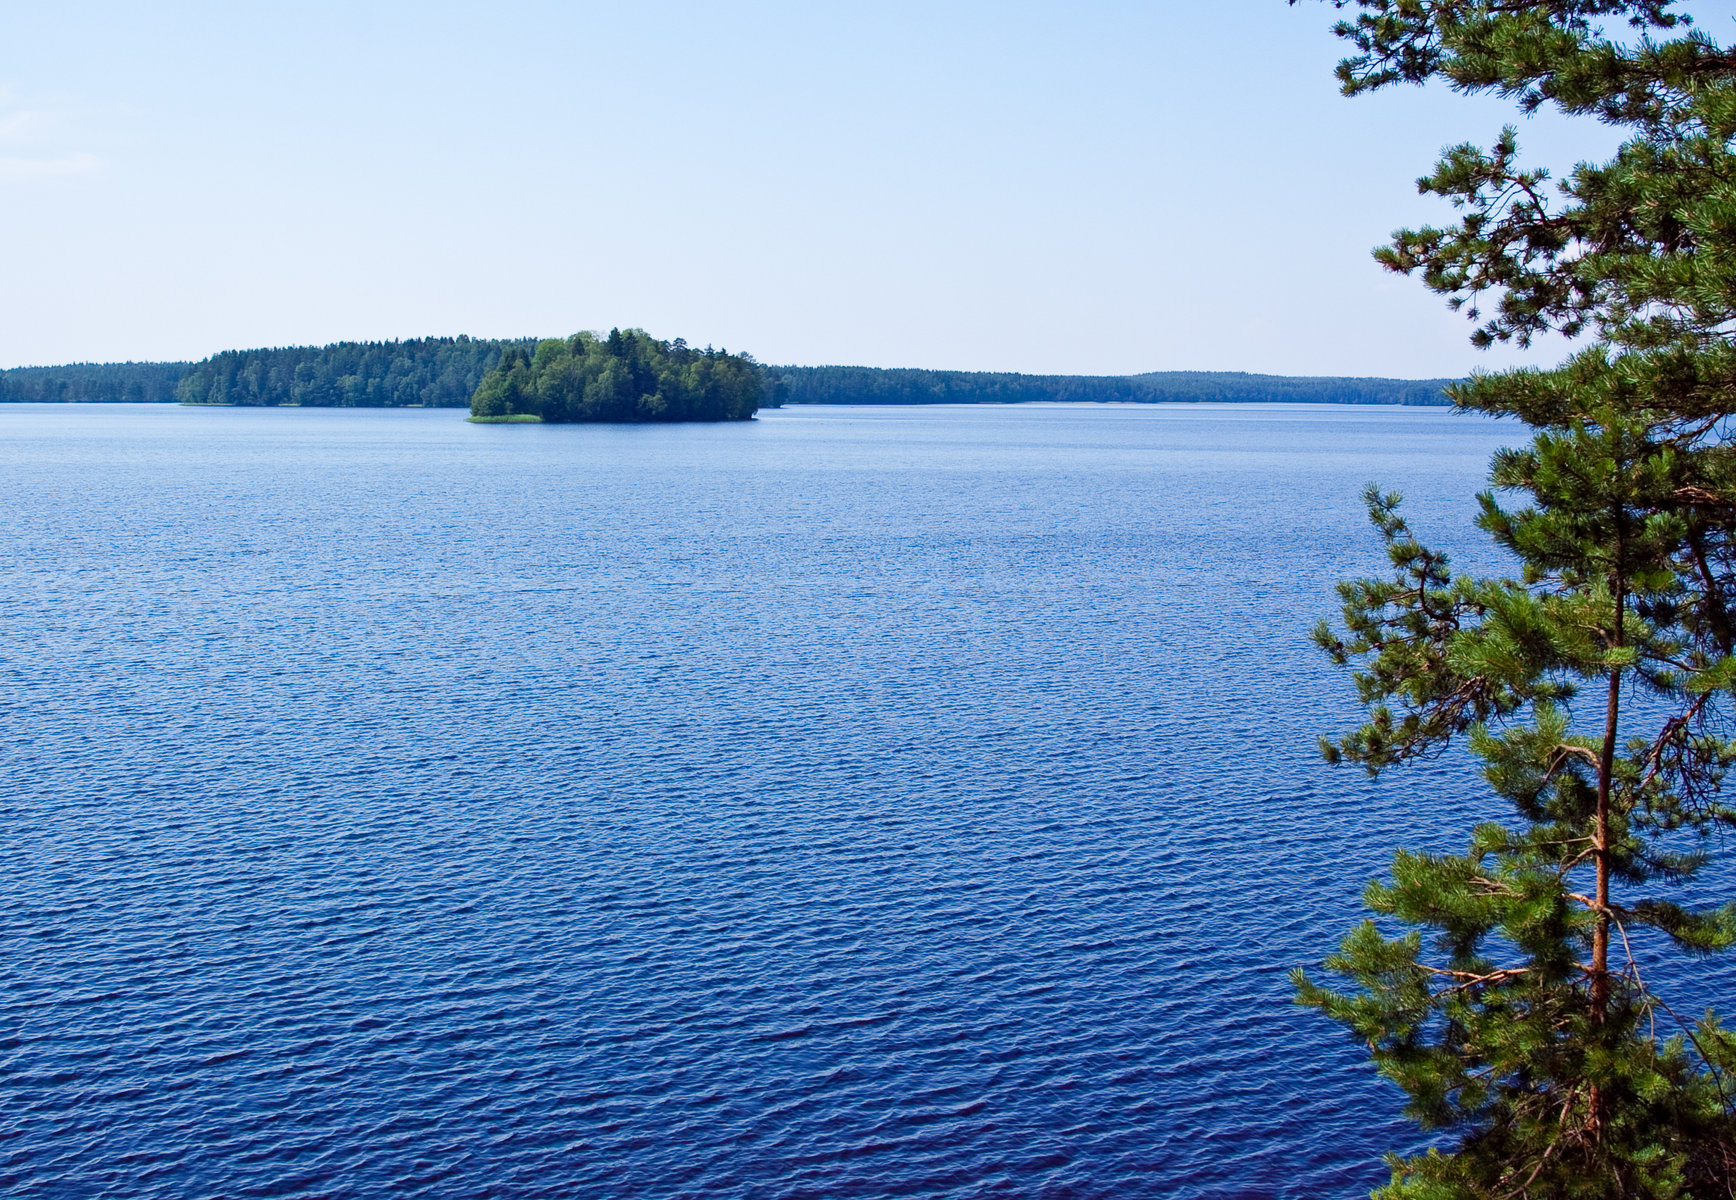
92 383
1522 1021
444 372
1596 687
430 372
872 385
627 377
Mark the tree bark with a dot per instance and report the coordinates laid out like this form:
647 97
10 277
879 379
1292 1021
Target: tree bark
1600 980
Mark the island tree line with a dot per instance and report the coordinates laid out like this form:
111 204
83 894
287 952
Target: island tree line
628 376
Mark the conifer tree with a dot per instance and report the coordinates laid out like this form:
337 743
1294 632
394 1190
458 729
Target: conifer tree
1596 685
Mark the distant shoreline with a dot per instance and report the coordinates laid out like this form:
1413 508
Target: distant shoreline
444 372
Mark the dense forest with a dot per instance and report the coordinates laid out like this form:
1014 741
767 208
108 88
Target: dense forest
445 373
873 385
92 383
431 372
628 376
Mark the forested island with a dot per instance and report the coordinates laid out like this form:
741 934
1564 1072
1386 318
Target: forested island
446 373
628 376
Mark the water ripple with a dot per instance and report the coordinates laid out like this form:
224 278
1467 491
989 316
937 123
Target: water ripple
851 804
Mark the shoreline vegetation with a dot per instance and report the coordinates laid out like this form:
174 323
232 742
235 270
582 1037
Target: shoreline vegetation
423 372
94 383
893 385
447 372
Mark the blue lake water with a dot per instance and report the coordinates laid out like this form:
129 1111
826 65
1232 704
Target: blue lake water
853 802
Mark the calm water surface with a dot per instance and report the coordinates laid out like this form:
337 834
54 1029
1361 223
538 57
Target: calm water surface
856 802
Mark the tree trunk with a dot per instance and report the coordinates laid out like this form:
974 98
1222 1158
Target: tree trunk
1600 980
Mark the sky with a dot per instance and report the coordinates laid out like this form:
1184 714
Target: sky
1084 188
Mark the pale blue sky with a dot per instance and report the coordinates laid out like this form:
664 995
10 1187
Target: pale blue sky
1090 187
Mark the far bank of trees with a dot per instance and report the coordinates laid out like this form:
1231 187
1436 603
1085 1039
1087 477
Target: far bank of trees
445 373
93 383
873 385
426 372
628 376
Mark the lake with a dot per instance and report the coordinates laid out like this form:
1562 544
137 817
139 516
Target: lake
851 802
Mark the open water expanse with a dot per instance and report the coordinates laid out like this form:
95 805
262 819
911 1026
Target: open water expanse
849 803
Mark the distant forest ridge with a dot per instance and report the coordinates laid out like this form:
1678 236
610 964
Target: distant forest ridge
878 385
445 372
422 372
90 383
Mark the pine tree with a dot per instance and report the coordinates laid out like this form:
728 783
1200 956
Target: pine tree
1595 686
